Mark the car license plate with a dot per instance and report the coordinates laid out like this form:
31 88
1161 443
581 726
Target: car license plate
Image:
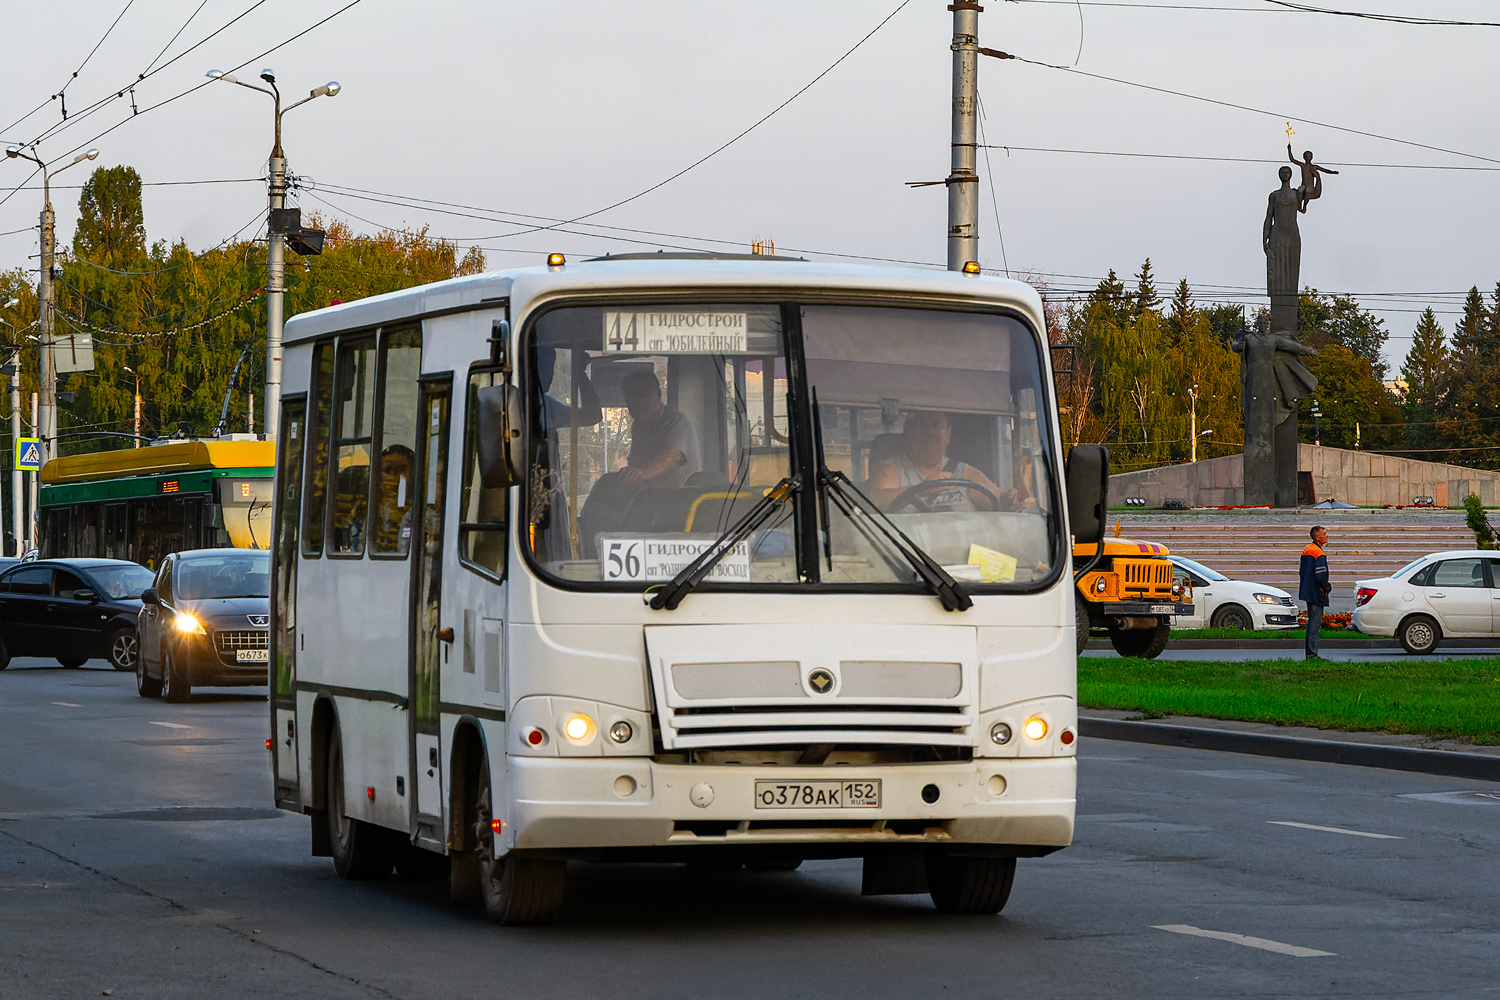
1163 609
817 794
252 656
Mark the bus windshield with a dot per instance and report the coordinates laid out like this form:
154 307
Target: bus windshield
657 428
223 574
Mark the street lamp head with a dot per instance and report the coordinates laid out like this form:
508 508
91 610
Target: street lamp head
1205 433
329 89
12 151
12 303
268 76
219 74
92 154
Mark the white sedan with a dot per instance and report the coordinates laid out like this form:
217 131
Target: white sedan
1220 602
1444 594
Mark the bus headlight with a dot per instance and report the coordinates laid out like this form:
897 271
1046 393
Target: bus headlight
1035 728
188 625
579 728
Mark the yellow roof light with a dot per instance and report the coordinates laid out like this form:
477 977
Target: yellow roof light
556 260
971 267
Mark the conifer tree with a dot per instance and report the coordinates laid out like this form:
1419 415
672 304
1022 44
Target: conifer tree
1184 313
1425 372
1145 298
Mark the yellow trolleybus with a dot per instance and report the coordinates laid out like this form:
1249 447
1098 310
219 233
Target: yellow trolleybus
744 561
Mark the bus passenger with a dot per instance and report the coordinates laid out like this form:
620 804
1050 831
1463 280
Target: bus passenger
923 457
663 444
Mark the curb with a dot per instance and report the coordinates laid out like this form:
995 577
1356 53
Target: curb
1448 763
1371 643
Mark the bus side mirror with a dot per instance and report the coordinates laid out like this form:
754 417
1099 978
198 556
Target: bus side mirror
499 431
1088 493
150 596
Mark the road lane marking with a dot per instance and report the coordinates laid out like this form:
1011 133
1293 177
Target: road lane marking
68 704
1334 829
171 725
1249 942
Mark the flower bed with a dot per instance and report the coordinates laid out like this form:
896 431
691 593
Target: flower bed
1338 620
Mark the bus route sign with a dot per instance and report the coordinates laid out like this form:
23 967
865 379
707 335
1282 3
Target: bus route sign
28 454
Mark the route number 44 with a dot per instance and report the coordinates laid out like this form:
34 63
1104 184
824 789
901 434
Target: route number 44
622 559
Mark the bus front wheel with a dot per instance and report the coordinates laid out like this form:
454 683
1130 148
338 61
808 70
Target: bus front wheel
969 886
516 891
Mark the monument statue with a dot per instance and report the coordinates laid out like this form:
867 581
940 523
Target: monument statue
1272 378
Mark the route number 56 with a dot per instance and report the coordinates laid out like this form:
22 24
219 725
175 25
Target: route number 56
622 559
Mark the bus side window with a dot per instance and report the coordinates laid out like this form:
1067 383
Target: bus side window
316 488
401 366
354 420
482 512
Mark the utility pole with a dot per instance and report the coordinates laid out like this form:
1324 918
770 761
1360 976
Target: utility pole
137 376
279 225
963 179
47 429
33 531
1193 423
17 499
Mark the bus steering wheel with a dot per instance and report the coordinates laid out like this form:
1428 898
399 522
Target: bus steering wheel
915 496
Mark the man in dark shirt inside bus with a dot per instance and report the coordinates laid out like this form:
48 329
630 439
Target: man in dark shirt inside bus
1313 587
663 444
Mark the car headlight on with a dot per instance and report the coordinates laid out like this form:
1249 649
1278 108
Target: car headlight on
1268 598
188 625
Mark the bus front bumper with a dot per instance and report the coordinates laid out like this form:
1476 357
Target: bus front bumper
589 803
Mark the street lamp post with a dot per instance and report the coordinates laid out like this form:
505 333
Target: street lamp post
276 254
48 429
1317 415
17 499
137 377
1193 424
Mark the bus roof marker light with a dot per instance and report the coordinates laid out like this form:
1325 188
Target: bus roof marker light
1035 728
556 260
971 267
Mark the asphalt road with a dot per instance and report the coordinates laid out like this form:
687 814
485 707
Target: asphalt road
139 856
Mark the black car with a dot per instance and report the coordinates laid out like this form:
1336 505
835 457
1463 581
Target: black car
205 622
72 609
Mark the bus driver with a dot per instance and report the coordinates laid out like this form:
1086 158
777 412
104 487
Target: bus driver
923 457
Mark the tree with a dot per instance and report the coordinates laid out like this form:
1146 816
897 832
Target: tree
1340 320
1108 302
1145 298
1469 413
1425 372
1356 406
1184 313
111 222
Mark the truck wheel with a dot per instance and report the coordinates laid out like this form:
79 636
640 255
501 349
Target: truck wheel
969 886
1232 616
1081 622
1146 643
1419 634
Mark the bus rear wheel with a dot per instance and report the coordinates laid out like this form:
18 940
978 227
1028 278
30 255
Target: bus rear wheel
515 891
360 850
969 886
1146 643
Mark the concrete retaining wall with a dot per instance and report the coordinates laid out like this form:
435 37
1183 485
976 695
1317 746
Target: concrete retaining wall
1358 477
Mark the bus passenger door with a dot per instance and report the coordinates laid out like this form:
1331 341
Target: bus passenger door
432 640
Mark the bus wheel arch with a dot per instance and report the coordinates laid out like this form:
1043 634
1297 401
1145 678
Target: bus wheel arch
325 723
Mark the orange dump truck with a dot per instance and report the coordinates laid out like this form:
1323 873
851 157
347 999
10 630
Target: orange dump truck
1131 594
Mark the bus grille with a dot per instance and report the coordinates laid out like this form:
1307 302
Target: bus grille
1144 577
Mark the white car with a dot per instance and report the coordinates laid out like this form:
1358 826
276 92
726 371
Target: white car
1444 594
1220 602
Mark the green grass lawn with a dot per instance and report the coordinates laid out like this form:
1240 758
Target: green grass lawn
1451 699
1265 633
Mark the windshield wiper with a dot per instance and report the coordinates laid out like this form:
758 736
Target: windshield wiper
671 594
855 505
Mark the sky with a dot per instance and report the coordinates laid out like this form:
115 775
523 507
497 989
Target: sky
525 114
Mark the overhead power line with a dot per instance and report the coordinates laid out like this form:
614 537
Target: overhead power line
1236 159
1239 107
1394 18
1280 7
61 91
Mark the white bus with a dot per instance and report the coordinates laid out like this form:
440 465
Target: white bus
727 560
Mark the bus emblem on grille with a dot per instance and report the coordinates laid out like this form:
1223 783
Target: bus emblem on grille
259 619
820 680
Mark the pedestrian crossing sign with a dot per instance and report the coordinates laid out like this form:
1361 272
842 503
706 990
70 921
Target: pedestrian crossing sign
28 454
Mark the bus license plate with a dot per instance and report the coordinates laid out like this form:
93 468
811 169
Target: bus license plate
817 794
252 656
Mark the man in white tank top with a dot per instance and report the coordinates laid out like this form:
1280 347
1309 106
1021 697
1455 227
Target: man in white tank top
923 457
